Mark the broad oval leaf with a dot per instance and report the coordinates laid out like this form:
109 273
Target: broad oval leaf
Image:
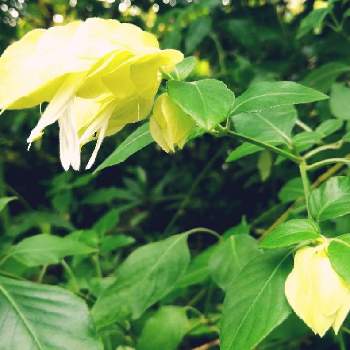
136 141
331 200
339 255
47 249
39 317
146 276
266 95
289 233
329 127
255 302
230 256
164 329
207 101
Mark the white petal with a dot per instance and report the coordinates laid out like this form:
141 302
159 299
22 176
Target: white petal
69 140
58 105
100 138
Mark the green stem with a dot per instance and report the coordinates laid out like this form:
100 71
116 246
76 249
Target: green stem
288 155
96 261
71 275
341 341
203 230
328 161
331 146
303 126
306 185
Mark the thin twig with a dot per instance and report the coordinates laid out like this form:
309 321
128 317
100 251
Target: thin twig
208 345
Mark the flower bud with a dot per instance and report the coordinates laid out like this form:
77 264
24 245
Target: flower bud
317 294
170 126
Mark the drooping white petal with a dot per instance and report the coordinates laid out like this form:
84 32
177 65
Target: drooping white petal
101 135
58 105
69 140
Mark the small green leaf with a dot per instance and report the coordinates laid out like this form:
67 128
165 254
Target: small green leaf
329 127
265 164
107 222
230 256
136 141
110 243
146 276
313 21
37 317
243 150
4 201
267 95
165 329
323 77
306 139
291 191
47 249
207 101
331 200
183 69
290 233
255 302
339 255
273 127
339 102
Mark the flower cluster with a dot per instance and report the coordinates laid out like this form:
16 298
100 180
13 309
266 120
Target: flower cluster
97 76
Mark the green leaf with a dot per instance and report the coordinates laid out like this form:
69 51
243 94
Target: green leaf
331 200
4 201
183 69
114 242
329 127
243 150
339 102
255 303
272 127
207 101
267 95
146 276
339 255
47 249
197 31
198 270
265 164
313 21
230 257
39 317
290 233
306 139
323 77
165 329
107 222
136 141
291 191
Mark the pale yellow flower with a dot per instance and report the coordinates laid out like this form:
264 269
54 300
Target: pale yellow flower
317 294
112 67
170 126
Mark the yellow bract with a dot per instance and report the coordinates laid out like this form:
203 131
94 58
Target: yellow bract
170 127
316 292
97 75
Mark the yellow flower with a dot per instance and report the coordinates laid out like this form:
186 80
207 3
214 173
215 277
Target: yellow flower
316 292
170 127
295 7
113 67
320 4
